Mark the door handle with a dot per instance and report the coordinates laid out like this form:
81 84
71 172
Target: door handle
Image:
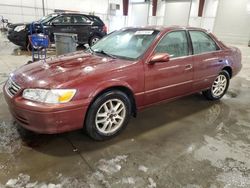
188 67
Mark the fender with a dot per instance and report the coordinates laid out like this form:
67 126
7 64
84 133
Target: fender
108 84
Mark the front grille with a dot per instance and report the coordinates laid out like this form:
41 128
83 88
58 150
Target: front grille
12 88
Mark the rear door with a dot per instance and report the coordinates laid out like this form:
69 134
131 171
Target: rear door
207 59
82 27
174 78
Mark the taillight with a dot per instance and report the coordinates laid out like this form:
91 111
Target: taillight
105 29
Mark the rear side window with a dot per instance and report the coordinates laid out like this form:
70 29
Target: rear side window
80 20
96 20
202 42
174 43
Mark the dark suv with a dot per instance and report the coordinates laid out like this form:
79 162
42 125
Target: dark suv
89 28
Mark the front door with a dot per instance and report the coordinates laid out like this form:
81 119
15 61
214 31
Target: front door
61 24
173 78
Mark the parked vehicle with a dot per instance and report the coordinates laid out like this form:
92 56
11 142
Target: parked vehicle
124 72
88 28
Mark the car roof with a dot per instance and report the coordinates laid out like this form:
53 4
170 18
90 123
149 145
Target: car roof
168 28
75 13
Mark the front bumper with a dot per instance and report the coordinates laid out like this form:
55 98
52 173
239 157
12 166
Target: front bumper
47 118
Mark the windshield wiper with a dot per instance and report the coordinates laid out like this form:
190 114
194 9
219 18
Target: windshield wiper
104 53
91 50
87 47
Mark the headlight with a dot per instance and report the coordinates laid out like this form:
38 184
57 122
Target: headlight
53 96
19 28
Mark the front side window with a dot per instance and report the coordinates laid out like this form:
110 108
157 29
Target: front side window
127 44
202 42
174 43
47 18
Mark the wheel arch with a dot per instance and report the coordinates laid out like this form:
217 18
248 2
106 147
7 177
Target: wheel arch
94 34
123 88
229 70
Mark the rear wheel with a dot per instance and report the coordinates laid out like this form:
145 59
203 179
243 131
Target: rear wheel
94 40
108 115
219 87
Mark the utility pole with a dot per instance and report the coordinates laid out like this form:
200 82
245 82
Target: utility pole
43 8
189 14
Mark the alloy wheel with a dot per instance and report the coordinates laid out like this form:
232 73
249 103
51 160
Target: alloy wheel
110 116
219 85
94 40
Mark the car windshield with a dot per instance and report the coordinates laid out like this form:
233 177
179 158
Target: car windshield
126 44
47 18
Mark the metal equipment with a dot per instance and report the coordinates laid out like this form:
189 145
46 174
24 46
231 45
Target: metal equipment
39 41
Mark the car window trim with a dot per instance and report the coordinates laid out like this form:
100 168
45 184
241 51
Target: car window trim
190 55
208 52
195 55
190 44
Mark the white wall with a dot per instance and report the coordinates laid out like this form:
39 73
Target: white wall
21 10
232 23
29 10
209 14
160 14
177 13
138 14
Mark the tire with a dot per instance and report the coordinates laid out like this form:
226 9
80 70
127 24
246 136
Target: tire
221 83
29 62
104 122
94 40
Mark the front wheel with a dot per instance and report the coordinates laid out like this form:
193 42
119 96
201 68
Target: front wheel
108 115
219 87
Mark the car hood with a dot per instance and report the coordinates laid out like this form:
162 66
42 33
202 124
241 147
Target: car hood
18 24
57 72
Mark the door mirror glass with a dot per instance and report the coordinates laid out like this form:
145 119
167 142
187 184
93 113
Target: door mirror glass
159 58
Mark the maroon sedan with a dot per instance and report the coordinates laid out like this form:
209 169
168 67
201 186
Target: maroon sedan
133 68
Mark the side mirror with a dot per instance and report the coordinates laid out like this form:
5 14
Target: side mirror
159 58
54 23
